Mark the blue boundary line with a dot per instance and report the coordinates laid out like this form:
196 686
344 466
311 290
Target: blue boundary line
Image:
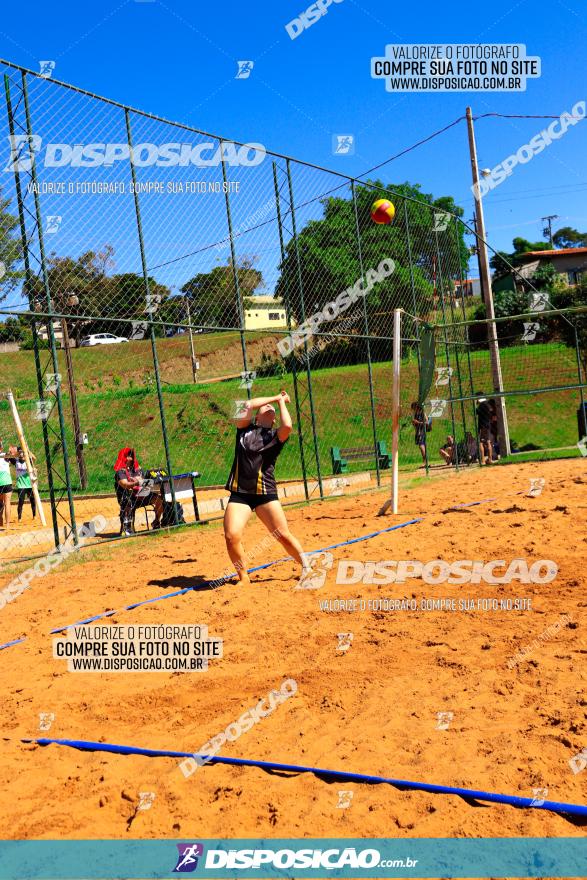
347 776
14 642
214 582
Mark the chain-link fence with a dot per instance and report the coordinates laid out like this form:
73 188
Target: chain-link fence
155 275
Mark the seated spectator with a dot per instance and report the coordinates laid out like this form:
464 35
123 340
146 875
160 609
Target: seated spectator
471 448
128 480
448 450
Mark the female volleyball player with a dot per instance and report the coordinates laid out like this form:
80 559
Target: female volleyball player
252 483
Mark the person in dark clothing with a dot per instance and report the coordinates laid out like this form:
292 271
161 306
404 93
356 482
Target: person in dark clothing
419 423
128 480
494 430
251 482
484 427
470 449
24 486
448 451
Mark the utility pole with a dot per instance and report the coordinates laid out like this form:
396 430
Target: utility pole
192 352
547 230
485 279
72 300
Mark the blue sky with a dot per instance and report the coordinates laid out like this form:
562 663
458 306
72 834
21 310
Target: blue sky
179 59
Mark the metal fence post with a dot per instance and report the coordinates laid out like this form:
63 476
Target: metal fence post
468 348
289 327
415 307
29 291
579 372
452 411
50 330
367 340
456 353
303 316
239 301
151 325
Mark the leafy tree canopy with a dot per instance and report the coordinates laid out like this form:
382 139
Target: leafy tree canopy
502 261
10 250
82 286
567 237
213 294
426 244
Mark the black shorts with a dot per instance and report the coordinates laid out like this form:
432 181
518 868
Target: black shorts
4 490
252 501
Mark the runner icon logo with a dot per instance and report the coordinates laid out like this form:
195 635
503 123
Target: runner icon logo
314 574
187 860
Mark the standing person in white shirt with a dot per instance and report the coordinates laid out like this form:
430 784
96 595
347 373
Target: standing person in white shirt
5 488
24 486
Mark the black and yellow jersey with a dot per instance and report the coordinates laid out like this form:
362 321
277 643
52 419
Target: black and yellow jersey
255 454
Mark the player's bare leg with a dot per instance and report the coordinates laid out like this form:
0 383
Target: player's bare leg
6 498
273 518
236 517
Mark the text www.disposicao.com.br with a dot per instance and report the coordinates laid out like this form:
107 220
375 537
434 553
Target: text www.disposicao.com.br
134 664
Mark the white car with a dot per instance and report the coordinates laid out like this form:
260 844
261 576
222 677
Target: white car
102 339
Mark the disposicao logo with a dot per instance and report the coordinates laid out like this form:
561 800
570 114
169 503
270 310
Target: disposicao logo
187 860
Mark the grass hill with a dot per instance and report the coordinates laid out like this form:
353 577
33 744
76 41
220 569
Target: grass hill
118 404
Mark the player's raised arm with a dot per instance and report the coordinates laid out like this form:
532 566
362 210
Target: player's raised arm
258 402
247 411
285 425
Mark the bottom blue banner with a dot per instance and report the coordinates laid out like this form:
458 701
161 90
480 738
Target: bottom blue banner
341 857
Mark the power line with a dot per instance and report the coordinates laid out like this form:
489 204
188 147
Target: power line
538 195
413 147
546 189
523 116
455 122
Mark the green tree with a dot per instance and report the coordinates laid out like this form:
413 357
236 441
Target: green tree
509 302
213 295
10 250
173 310
568 237
523 246
502 261
574 322
12 330
126 298
329 255
84 287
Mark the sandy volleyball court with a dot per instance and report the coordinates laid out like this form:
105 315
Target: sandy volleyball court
511 725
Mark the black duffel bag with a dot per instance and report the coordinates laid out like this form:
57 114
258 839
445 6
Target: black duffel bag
167 518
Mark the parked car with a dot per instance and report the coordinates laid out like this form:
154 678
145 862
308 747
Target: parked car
175 331
178 331
102 339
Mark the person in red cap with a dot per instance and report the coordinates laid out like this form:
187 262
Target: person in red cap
128 481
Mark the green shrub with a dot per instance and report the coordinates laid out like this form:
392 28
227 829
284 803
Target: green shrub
27 341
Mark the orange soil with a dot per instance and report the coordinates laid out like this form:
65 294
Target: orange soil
372 709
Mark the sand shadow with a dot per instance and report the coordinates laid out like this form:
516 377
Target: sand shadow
196 582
